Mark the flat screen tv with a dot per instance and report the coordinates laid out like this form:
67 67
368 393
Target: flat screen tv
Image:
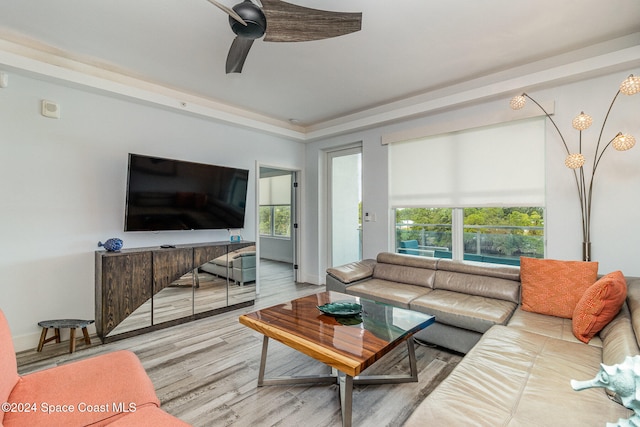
165 194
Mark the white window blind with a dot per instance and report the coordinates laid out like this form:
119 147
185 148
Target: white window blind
499 165
275 190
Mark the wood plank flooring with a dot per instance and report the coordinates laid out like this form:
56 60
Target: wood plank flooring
205 372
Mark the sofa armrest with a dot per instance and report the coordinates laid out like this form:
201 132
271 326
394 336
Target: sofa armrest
98 389
353 272
339 278
244 260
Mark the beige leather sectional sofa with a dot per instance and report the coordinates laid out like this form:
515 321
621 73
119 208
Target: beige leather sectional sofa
518 364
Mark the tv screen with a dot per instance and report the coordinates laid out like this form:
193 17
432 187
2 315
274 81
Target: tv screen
165 194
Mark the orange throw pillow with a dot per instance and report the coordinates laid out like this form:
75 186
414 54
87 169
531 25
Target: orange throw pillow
554 287
599 305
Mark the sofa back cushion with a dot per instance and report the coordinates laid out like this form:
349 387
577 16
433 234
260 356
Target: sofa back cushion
9 374
618 338
484 286
485 280
410 269
633 300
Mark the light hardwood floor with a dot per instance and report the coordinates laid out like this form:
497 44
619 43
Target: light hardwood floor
205 372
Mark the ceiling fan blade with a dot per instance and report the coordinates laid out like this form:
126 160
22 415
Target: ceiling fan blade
288 22
229 11
238 53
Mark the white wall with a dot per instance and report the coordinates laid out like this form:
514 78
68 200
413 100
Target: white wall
63 184
63 189
616 195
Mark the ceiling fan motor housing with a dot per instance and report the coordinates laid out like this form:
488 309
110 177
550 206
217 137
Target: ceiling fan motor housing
253 16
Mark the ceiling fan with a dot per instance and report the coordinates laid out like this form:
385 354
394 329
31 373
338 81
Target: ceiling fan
279 21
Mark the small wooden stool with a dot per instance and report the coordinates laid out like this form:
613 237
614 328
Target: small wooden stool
72 324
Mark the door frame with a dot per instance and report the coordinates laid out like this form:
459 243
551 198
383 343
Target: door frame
295 219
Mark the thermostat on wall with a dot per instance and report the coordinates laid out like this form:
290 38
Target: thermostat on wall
50 109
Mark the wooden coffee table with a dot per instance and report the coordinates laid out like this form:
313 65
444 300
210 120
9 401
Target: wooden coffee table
348 345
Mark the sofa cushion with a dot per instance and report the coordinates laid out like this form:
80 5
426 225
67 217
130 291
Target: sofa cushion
9 375
389 292
465 311
599 305
407 260
410 269
481 285
403 274
481 269
633 301
618 338
554 287
517 378
618 342
550 326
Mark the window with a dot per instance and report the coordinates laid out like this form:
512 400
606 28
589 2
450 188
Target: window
474 194
495 235
275 206
275 221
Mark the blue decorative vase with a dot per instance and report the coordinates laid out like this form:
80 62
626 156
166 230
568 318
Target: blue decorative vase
112 245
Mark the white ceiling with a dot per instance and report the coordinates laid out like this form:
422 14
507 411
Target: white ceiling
406 50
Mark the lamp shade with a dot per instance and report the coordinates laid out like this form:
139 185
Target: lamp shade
574 161
582 121
623 142
630 85
517 102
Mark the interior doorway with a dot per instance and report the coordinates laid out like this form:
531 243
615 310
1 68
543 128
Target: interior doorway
278 223
345 205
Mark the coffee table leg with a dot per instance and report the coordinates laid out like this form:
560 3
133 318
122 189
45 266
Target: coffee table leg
263 361
413 365
346 398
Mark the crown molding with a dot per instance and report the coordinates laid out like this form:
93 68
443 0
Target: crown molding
54 66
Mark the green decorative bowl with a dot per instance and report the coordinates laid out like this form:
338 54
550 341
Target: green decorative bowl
341 308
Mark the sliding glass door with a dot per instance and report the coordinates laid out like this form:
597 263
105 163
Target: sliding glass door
345 205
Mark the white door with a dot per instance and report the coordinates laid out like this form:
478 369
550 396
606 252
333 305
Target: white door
345 205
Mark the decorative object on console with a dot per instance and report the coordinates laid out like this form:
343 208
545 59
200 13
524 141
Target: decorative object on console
112 245
235 236
576 161
624 380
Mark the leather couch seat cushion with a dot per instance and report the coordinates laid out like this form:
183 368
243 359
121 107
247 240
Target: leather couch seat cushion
470 312
517 378
550 326
398 294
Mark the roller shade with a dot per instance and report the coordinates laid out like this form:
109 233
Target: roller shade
498 165
275 190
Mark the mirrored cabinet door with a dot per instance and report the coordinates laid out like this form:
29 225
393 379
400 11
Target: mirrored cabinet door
173 284
211 289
